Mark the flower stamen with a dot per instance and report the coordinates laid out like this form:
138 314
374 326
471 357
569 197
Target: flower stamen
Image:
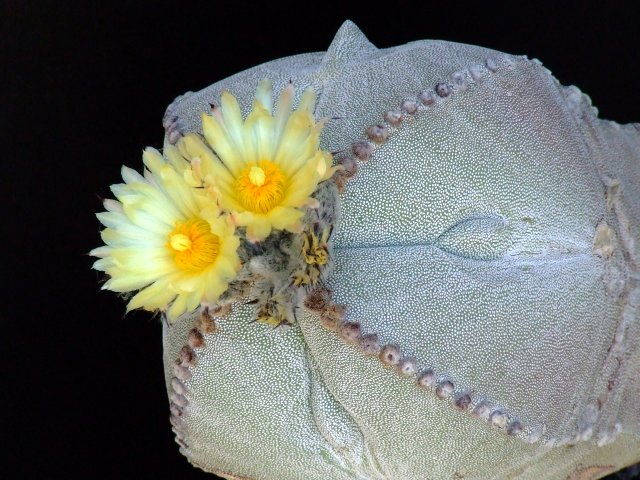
261 187
193 245
257 176
180 242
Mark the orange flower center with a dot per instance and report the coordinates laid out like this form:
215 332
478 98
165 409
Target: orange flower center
193 245
261 187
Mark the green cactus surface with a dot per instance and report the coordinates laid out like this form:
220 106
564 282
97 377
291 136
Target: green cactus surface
485 251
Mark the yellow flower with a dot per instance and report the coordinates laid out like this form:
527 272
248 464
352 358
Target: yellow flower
167 240
266 167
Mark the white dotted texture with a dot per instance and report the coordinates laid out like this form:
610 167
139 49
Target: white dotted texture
467 240
254 389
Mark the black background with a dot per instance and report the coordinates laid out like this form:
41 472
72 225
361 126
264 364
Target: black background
84 88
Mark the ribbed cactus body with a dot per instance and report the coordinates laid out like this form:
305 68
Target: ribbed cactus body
488 240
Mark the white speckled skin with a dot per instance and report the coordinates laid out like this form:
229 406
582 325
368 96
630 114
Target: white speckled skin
473 240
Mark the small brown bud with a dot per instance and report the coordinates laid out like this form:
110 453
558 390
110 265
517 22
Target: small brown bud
370 344
362 150
460 81
340 179
350 166
427 97
443 90
349 332
475 72
187 357
177 422
409 105
205 323
179 400
181 372
462 401
390 354
195 338
377 133
174 136
426 378
481 410
175 410
498 418
178 386
332 316
444 389
514 428
317 299
407 366
393 117
491 64
220 310
181 442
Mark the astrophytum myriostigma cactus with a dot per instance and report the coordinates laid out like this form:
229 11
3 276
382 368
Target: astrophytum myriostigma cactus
483 318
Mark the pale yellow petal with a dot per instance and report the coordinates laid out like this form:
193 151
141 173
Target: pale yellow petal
283 110
225 268
298 155
258 226
295 133
250 141
177 308
214 288
187 283
329 168
117 220
258 135
181 194
219 141
228 200
194 299
232 117
155 296
301 186
101 252
153 160
126 283
103 264
112 219
131 236
120 191
263 94
153 261
139 194
112 205
220 225
175 158
284 217
211 165
308 100
131 176
145 221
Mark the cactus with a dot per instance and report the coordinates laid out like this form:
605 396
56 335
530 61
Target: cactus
479 318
